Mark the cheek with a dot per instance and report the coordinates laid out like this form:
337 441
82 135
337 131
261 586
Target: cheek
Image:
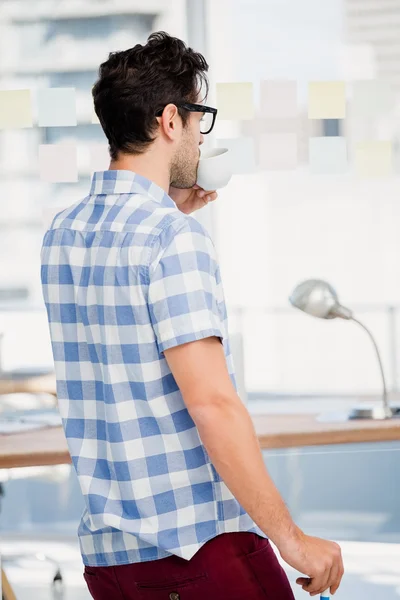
196 133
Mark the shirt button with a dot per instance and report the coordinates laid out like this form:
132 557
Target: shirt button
174 596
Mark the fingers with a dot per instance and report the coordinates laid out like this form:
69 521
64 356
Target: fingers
207 196
211 197
328 576
334 586
316 585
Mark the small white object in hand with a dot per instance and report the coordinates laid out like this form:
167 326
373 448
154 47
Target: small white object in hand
326 595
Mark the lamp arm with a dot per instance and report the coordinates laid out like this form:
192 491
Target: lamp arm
385 394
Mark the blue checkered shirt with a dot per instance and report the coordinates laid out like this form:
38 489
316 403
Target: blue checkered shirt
126 275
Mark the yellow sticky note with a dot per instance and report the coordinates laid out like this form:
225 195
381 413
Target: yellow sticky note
326 100
15 109
235 101
374 158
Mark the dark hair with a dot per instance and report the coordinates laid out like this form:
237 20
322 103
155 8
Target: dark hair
133 84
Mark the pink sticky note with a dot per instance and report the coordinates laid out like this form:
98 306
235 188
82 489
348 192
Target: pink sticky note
99 157
278 99
58 163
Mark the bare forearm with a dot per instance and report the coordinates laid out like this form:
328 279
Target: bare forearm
228 435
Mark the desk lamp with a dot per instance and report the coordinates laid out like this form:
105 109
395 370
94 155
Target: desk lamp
319 299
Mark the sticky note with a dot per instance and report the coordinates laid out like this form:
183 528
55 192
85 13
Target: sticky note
235 101
242 154
99 157
56 107
58 163
15 109
328 155
278 151
373 158
278 99
357 61
326 100
371 98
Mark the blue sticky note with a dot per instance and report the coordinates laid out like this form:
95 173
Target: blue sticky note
242 154
56 107
328 155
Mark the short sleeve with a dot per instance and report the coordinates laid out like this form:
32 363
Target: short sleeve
183 289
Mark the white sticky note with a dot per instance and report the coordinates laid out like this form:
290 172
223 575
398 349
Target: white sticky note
373 158
372 98
278 99
235 101
56 107
328 155
278 151
58 163
326 100
15 109
242 154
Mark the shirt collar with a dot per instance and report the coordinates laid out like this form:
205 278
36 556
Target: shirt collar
128 182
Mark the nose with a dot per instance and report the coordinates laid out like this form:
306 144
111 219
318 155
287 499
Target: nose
201 139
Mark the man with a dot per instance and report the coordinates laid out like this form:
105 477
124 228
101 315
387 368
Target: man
179 503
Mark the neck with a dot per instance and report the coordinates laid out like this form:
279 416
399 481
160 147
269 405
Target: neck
146 165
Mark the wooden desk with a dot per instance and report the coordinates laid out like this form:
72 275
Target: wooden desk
298 430
49 447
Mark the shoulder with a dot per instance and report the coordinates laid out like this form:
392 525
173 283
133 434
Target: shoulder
182 234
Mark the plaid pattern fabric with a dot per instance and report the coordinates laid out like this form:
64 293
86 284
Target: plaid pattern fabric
125 276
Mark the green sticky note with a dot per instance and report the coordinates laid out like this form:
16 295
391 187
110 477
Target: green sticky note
372 98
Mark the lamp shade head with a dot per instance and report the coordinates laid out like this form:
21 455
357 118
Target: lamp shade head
319 299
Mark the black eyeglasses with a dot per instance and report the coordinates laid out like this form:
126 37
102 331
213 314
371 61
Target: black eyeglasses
208 119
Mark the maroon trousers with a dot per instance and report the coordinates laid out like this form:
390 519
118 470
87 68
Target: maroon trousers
231 566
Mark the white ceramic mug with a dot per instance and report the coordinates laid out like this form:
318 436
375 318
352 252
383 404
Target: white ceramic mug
214 171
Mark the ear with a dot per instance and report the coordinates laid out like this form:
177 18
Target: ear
170 121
